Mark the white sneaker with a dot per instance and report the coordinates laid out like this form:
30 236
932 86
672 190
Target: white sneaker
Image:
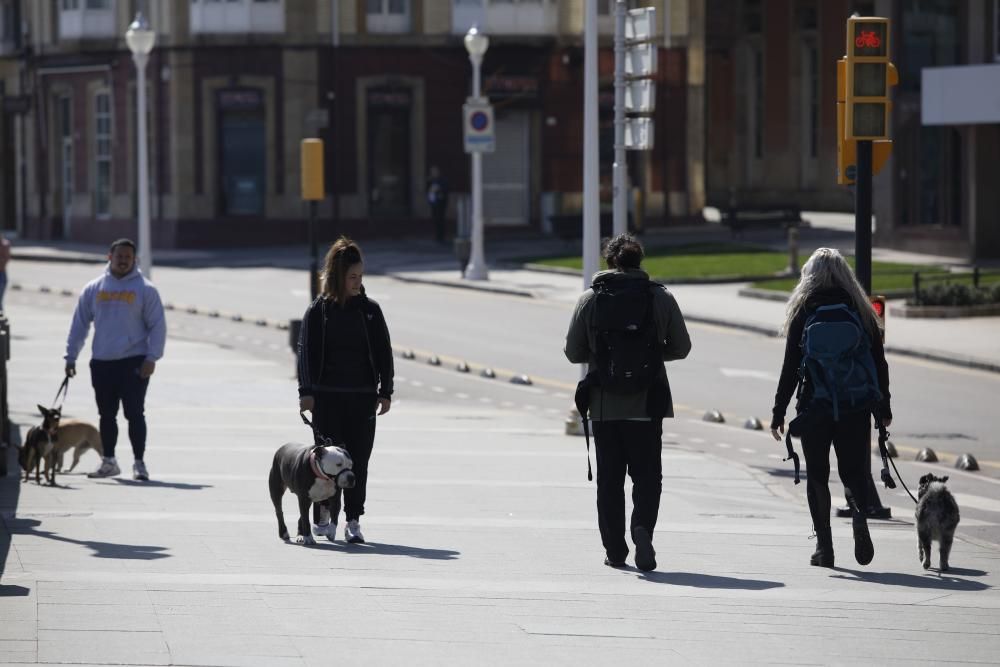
327 530
139 471
352 533
109 468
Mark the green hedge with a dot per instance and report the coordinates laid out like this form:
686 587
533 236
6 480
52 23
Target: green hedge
956 295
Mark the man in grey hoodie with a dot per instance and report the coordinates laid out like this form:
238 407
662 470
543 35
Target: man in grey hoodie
130 331
627 419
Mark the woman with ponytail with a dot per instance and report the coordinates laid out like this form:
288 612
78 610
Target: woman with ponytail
345 374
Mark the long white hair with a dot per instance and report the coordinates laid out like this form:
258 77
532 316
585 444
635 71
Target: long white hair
825 269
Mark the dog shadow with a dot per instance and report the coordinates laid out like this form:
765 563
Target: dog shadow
697 580
100 549
931 579
382 549
181 486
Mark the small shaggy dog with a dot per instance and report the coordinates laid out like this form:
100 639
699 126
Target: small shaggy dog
937 518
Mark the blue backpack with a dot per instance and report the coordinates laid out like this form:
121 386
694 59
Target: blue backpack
838 370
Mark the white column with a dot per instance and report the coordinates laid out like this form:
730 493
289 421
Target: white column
476 268
591 155
620 167
142 138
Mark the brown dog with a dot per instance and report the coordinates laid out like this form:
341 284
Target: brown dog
77 435
39 445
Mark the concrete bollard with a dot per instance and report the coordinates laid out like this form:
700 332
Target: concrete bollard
487 373
927 455
520 379
967 462
574 423
753 424
462 367
434 360
713 416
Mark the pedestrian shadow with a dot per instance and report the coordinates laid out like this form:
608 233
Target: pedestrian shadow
182 486
18 526
382 549
936 580
13 591
697 580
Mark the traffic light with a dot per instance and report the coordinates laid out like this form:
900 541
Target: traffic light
867 79
312 169
878 305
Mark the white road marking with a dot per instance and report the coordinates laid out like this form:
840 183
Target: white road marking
723 445
747 450
562 395
485 399
767 376
461 395
439 390
696 441
416 383
977 502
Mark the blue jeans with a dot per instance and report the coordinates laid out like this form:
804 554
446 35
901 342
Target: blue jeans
118 382
3 287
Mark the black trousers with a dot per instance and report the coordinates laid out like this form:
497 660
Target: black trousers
117 383
437 213
850 437
633 447
349 420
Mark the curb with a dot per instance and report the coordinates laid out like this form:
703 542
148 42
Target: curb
714 280
482 287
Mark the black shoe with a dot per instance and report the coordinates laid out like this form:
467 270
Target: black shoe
823 556
864 550
645 555
613 563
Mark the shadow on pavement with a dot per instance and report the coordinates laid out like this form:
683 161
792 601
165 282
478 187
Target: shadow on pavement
696 580
100 549
182 486
385 550
13 591
936 580
10 493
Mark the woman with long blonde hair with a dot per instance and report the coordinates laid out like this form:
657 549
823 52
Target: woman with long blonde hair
345 374
827 282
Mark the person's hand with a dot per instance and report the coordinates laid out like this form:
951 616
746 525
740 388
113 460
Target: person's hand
70 369
306 403
886 422
383 405
147 369
778 430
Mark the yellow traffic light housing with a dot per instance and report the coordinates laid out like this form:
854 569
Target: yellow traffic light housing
312 170
867 79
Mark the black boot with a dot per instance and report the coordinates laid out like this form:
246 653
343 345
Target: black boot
864 550
823 556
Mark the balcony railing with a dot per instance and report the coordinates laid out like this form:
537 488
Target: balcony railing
88 23
506 17
237 16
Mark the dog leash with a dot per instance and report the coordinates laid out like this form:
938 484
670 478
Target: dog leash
318 437
883 437
63 389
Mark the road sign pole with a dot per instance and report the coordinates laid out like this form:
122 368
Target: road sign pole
863 216
620 209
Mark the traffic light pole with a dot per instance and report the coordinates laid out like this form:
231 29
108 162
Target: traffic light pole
863 216
863 269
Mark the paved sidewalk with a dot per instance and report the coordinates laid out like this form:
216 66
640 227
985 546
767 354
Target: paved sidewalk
483 547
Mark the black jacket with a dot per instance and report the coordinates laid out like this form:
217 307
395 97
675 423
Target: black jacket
793 356
312 348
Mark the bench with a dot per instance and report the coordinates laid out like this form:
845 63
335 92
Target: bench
742 218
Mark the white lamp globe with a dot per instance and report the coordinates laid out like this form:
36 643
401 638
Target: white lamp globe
476 42
139 37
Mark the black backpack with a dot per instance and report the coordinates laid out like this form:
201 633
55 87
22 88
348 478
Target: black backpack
627 351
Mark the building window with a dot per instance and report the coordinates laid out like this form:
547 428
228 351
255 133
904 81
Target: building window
102 154
387 15
6 22
996 30
758 103
812 62
389 144
87 19
242 151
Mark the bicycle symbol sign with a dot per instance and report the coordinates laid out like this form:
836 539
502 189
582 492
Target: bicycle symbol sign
868 39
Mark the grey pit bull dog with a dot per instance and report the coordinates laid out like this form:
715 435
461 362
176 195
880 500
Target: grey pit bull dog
315 474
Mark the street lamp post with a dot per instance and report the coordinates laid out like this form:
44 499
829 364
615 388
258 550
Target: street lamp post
476 44
140 40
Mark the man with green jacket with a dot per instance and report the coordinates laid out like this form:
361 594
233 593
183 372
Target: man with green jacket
628 395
